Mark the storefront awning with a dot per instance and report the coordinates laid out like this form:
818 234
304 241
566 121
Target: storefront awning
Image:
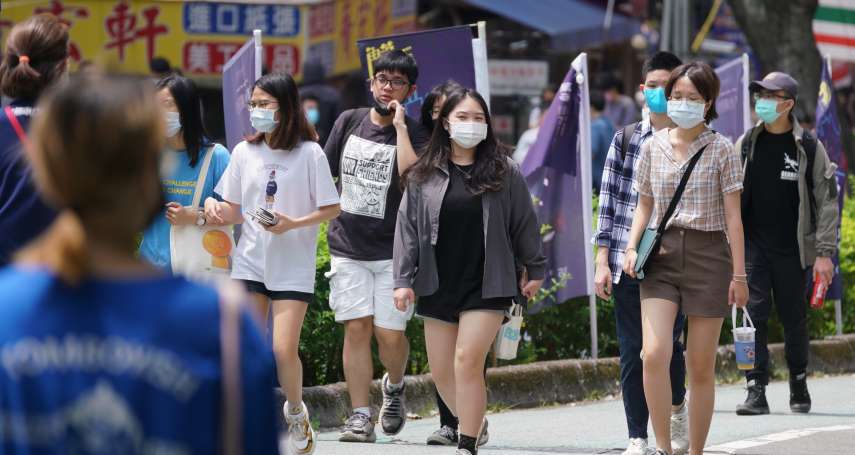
571 24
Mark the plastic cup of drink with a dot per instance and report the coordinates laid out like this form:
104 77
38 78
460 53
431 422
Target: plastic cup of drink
743 343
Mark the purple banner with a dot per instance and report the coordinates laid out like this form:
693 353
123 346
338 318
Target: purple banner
828 132
551 172
730 105
238 78
441 54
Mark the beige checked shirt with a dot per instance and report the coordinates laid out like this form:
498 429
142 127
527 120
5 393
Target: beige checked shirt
718 172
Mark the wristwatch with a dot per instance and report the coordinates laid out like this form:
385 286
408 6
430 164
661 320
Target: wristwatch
200 218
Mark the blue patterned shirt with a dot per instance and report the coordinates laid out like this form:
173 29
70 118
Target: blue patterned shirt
617 197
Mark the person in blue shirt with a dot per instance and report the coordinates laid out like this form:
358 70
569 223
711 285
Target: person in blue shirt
602 131
103 352
187 145
35 58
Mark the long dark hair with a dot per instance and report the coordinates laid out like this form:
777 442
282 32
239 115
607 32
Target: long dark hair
189 105
293 127
491 157
430 100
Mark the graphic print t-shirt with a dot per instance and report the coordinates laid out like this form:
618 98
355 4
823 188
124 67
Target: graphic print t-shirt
129 365
293 182
772 221
366 165
179 187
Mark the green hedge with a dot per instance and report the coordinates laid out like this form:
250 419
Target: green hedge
558 332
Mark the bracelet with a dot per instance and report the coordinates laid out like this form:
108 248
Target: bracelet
739 281
629 249
740 276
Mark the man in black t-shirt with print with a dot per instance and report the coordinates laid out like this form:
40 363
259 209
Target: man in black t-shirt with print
790 214
368 150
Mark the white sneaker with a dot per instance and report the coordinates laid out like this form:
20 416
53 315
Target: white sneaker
680 430
301 436
637 446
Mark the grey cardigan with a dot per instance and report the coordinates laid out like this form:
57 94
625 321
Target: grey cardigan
511 235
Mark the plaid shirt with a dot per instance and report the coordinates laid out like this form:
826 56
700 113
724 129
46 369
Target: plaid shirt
718 172
617 196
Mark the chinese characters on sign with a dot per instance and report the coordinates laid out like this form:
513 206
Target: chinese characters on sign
241 19
123 30
206 58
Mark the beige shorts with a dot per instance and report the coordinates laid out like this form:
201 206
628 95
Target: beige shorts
692 269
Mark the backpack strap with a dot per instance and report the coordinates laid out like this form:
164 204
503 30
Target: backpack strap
628 131
231 407
746 144
809 144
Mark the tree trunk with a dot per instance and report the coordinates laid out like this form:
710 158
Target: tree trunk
780 33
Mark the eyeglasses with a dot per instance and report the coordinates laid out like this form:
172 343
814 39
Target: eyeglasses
261 104
769 96
396 84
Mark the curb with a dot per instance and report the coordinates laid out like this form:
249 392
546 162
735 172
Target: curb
563 381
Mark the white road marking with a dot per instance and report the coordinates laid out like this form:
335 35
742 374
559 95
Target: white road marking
733 446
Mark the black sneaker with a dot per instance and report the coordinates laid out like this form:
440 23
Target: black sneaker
756 403
393 414
799 396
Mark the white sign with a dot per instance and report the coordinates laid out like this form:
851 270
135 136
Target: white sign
518 77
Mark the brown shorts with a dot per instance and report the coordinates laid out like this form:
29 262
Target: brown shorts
692 269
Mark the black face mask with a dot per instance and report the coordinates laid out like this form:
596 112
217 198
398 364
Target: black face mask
381 108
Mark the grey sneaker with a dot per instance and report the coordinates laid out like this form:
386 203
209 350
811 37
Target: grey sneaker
462 452
445 436
393 414
637 446
484 437
358 428
680 430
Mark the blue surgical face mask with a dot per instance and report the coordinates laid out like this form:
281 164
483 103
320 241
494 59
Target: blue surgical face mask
767 110
656 101
686 114
173 123
313 116
263 120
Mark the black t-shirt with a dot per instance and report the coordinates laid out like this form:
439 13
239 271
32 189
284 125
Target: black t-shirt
366 165
773 214
459 246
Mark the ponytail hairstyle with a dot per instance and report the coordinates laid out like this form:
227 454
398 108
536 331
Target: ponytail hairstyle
35 56
95 151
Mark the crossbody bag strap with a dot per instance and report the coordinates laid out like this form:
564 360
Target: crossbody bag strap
679 193
16 125
203 175
231 408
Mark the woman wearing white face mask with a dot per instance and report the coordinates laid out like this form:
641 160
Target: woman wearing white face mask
187 145
700 266
463 263
280 170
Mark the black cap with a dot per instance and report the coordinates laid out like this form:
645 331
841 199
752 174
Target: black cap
777 81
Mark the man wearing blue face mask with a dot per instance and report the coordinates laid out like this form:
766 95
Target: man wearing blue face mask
617 206
789 205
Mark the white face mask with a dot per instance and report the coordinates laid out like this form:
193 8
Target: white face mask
263 120
173 123
686 114
467 134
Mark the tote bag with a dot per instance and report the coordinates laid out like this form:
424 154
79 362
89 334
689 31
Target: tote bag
202 253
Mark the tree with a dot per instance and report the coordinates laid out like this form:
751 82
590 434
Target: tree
781 34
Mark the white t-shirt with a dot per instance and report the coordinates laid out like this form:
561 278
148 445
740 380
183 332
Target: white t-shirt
295 183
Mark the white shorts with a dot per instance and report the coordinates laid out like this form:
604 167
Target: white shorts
360 289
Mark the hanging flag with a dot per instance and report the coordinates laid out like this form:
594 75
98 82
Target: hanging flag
558 172
834 29
828 132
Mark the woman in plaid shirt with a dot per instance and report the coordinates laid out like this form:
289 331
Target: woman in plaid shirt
696 269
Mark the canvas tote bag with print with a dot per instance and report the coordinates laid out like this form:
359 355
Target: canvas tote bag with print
202 253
